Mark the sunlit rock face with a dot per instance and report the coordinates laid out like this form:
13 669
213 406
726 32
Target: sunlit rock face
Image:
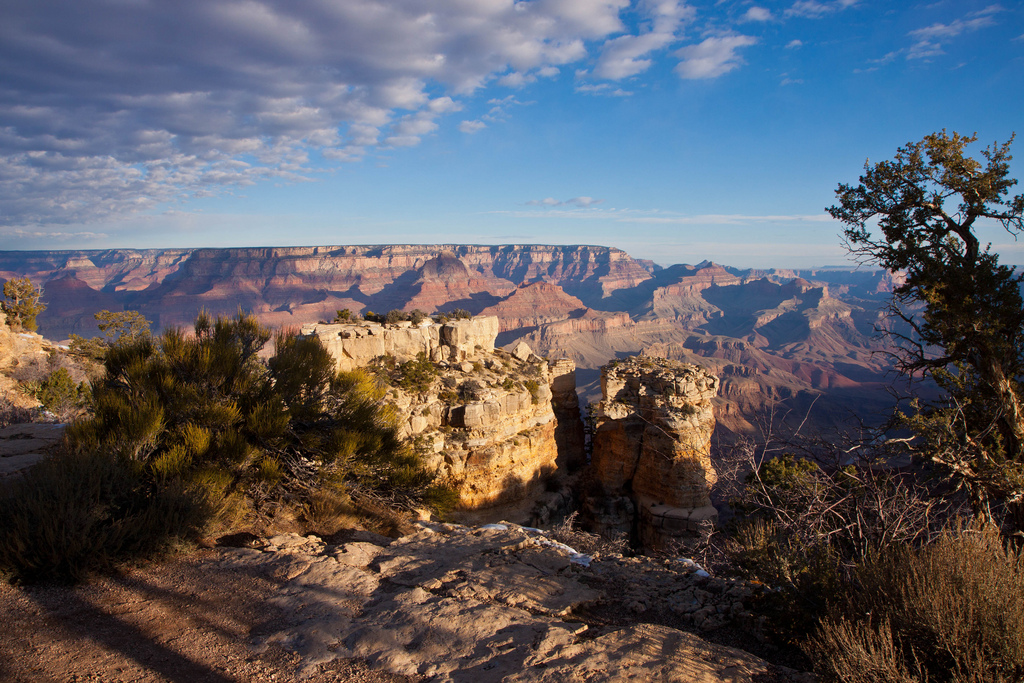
652 450
354 345
496 424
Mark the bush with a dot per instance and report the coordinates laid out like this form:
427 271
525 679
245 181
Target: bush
81 512
533 386
417 375
950 611
800 528
186 428
60 395
395 316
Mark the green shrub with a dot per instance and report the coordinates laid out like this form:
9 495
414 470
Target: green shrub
60 394
77 513
533 386
417 375
187 427
395 316
952 611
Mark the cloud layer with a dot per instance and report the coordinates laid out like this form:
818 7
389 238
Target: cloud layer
107 108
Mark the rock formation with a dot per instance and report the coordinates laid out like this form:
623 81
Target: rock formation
499 602
354 345
808 332
534 304
651 450
496 424
286 285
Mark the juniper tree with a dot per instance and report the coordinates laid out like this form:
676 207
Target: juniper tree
22 303
963 312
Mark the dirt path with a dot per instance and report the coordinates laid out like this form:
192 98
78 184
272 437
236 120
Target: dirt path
176 621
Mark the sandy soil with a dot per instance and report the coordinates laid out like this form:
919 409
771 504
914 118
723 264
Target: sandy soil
176 621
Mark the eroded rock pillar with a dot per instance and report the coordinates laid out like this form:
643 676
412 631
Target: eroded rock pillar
652 451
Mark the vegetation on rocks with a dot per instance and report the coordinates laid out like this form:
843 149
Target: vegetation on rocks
914 573
23 301
201 427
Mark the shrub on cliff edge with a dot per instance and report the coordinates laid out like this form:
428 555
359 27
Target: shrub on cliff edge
188 430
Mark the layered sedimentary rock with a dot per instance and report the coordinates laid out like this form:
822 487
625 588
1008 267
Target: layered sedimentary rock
286 285
355 344
535 304
496 424
651 450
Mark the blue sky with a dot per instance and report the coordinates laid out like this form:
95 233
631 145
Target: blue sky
676 131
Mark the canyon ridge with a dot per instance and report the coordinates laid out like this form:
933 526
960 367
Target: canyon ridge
796 343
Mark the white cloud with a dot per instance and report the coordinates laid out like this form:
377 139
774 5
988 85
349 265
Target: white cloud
582 202
606 89
972 22
813 9
712 57
112 108
931 38
757 14
625 56
795 43
472 126
516 79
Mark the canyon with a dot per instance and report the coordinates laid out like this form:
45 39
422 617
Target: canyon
785 343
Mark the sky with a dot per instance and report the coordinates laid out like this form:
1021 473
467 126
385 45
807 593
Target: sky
676 131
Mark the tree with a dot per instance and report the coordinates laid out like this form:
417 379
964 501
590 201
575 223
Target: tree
963 311
119 327
122 325
22 303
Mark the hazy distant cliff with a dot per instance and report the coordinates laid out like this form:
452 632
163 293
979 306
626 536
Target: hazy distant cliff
295 285
789 336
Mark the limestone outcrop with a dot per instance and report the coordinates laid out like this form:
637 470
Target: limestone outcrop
497 424
354 345
490 424
651 450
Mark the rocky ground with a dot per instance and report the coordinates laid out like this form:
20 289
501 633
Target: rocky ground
448 603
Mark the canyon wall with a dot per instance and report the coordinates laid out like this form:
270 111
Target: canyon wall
652 451
294 285
808 334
